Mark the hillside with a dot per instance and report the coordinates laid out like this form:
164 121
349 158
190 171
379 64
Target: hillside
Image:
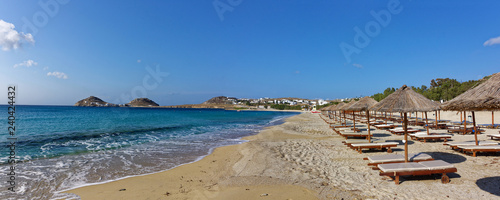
221 100
142 102
93 101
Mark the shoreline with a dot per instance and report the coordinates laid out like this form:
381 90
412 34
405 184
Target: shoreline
229 153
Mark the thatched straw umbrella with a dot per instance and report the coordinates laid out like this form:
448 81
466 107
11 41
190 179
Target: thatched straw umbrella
342 108
405 100
327 110
362 105
485 96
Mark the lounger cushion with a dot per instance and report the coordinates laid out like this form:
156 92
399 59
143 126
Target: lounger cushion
401 167
418 133
433 136
353 134
398 157
381 144
474 147
437 164
411 166
481 143
384 125
357 141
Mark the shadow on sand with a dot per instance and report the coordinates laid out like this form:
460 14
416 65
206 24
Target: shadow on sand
490 184
381 135
401 142
447 157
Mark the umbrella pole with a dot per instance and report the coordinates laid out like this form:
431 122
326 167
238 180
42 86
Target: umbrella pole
385 118
492 119
405 126
416 118
437 121
461 117
368 117
439 113
465 122
354 121
475 128
340 117
345 119
426 123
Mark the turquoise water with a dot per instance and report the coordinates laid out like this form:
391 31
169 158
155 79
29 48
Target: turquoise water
63 147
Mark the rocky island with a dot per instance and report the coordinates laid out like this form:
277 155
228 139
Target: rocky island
142 102
93 101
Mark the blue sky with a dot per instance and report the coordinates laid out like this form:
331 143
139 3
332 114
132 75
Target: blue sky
61 51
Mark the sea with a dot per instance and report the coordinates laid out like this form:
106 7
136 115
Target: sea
58 148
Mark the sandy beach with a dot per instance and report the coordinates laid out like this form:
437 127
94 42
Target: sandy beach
305 159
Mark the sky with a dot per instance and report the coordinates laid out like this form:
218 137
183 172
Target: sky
57 52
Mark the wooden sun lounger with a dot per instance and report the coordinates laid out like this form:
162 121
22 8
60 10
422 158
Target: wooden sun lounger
489 125
349 142
382 145
424 138
419 123
402 131
417 169
376 123
346 129
396 158
439 126
461 130
494 137
354 134
386 126
454 145
474 149
412 135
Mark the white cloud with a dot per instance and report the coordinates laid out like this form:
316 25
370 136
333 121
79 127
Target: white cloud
56 74
297 72
358 65
492 41
45 68
138 61
10 38
27 63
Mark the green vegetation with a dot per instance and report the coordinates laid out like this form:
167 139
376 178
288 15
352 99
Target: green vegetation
240 108
440 89
380 96
286 107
